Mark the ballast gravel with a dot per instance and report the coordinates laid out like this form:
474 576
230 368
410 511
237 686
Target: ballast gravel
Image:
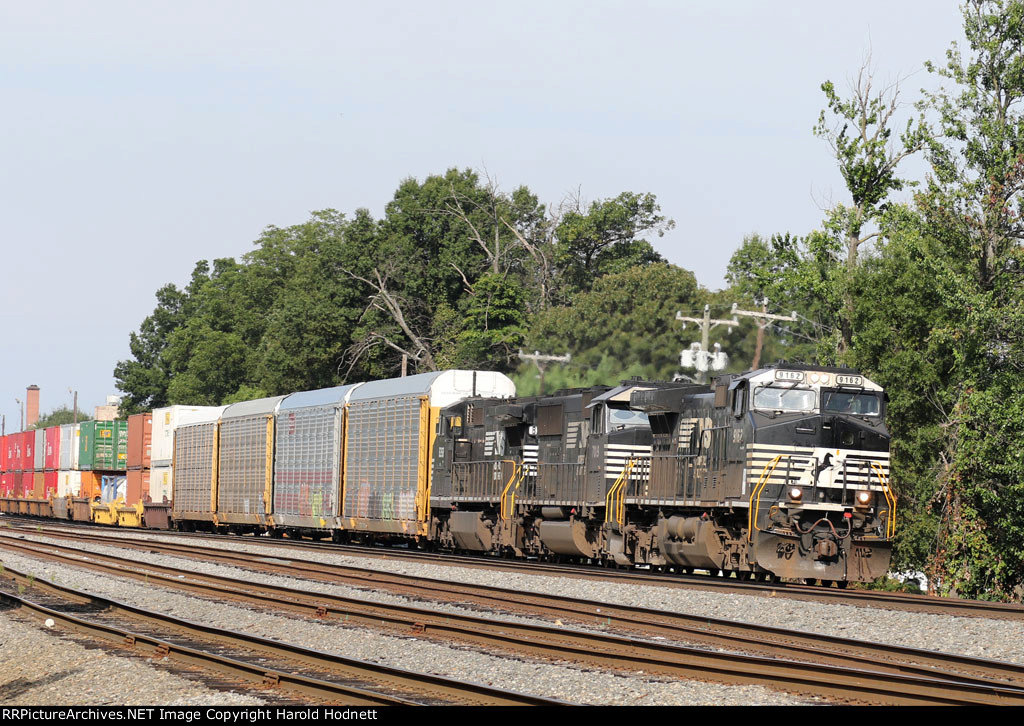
996 639
44 667
979 637
563 682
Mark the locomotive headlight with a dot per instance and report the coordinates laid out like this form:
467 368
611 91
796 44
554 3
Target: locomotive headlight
796 494
863 498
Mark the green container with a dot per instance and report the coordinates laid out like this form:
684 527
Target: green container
103 446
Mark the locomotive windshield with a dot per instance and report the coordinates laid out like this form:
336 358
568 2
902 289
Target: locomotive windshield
862 404
784 398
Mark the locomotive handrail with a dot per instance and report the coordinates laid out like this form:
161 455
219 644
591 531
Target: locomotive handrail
755 506
890 497
615 500
508 499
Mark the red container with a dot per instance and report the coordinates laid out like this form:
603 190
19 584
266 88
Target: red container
6 485
51 461
28 451
14 449
50 480
3 454
140 440
28 483
137 488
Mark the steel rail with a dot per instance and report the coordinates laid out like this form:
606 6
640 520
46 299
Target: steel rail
431 688
773 641
595 649
908 602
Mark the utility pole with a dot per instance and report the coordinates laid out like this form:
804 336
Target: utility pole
761 316
537 358
702 358
21 411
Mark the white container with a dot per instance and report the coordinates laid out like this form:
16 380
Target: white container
69 483
161 484
165 420
69 438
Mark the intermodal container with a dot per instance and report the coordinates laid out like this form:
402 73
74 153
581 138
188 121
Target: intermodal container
28 484
3 453
166 420
39 459
103 446
195 456
38 485
245 461
121 436
69 483
307 458
140 440
6 484
51 461
137 489
25 458
90 484
161 484
70 434
50 482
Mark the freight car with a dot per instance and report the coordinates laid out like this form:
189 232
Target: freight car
780 472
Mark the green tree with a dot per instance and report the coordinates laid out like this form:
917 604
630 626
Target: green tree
860 131
972 207
627 317
606 239
59 417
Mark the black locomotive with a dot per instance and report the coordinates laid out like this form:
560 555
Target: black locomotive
780 472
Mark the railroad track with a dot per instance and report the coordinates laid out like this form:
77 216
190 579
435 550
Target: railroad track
265 663
830 667
906 602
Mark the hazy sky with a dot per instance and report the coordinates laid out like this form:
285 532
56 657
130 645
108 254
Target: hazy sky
139 137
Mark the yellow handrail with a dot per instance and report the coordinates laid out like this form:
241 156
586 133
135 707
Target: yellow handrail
890 497
754 507
615 500
508 500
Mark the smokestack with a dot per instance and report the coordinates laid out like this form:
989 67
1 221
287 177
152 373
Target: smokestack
31 406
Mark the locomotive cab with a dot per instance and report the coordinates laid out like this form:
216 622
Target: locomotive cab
817 472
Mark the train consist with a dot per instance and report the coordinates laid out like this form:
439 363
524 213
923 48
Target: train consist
776 473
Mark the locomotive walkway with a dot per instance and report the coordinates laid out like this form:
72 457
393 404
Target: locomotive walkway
836 668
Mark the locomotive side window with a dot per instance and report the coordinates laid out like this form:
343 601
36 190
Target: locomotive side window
739 397
772 398
621 418
862 404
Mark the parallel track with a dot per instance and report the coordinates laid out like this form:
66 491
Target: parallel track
268 663
833 668
906 602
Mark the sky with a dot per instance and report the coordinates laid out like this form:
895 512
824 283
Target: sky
137 138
